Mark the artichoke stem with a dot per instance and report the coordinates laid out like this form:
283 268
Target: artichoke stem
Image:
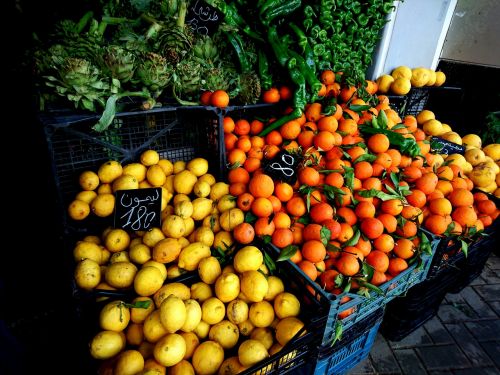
83 21
182 14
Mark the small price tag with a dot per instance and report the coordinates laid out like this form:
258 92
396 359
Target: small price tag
204 18
442 146
283 167
138 209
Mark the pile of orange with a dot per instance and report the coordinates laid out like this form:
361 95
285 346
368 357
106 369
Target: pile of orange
332 214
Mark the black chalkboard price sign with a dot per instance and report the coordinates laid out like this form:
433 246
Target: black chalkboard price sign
442 146
138 209
283 167
203 18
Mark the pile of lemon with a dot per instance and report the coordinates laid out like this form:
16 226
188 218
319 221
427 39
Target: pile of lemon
403 78
480 164
230 320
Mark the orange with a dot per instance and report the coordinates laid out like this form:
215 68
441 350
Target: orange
440 206
276 203
309 269
385 243
313 112
219 98
252 164
264 227
378 143
427 183
321 212
282 237
244 201
334 179
283 191
308 176
324 140
328 279
384 160
262 207
296 206
365 209
348 126
270 151
372 183
274 138
478 196
486 207
389 222
290 130
230 141
228 124
417 198
255 152
378 278
256 127
408 229
365 246
404 248
347 214
261 186
378 260
296 229
372 228
271 96
313 251
328 123
346 232
333 226
347 93
306 139
345 199
236 157
237 189
285 93
392 207
363 170
411 173
205 97
239 174
465 216
312 232
244 233
396 266
347 265
461 197
327 77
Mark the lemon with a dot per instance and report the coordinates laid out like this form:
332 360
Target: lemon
181 368
254 285
223 240
104 189
146 349
173 313
493 151
135 334
153 328
175 271
166 250
231 366
121 256
169 183
207 358
475 156
237 311
261 314
287 328
179 166
87 274
432 78
419 77
167 166
147 281
192 342
209 270
251 352
205 236
401 72
433 127
117 240
198 166
286 305
136 170
219 189
213 311
149 157
191 255
183 209
472 140
139 314
103 205
201 208
225 333
176 289
201 291
87 250
246 327
193 315
109 171
401 86
456 159
88 180
384 83
114 316
170 349
155 176
184 182
201 330
125 182
248 258
139 253
173 226
276 287
160 266
145 185
231 218
452 136
201 189
86 196
264 335
106 344
208 178
129 362
424 116
440 78
226 202
120 274
482 175
227 287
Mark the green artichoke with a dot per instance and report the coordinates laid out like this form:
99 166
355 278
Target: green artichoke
120 62
154 72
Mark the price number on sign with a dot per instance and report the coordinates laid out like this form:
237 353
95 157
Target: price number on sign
138 209
283 167
443 146
203 18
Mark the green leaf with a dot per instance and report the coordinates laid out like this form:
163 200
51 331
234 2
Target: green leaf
339 280
398 126
250 217
325 235
349 177
287 252
355 238
367 270
108 115
338 332
382 120
266 238
465 247
371 287
332 247
359 108
304 220
365 157
377 193
347 287
138 305
269 262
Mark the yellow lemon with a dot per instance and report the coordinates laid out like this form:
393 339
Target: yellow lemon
125 182
472 140
237 311
103 205
86 196
87 274
120 274
192 342
419 77
493 151
184 182
432 78
181 368
170 349
78 209
160 266
193 315
145 307
147 281
286 305
208 178
149 157
287 328
401 72
201 291
401 86
433 127
475 156
261 314
135 169
440 78
424 116
88 180
155 176
129 362
167 166
207 358
227 287
248 258
198 166
225 333
109 171
264 335
251 352
117 240
106 344
219 189
384 83
114 316
209 269
179 166
213 311
87 250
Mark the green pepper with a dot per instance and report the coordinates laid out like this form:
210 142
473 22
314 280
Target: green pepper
235 40
233 18
307 73
280 11
265 77
309 12
280 52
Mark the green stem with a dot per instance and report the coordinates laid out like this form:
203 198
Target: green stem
83 21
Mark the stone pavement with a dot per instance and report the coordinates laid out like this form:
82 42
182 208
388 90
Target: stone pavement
463 339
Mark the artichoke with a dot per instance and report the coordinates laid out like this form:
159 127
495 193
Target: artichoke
187 78
250 88
81 83
205 51
120 62
154 72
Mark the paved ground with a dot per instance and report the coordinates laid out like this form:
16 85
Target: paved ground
463 339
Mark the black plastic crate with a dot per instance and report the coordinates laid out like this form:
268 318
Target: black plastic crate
177 133
442 100
398 103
